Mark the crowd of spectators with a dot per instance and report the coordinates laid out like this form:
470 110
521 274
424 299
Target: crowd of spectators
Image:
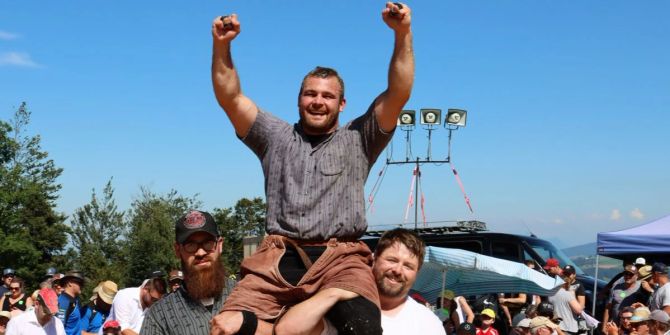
638 302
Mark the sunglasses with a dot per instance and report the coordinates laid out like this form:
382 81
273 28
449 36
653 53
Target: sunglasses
192 247
15 288
628 274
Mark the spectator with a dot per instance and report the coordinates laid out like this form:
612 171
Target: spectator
56 283
17 300
566 307
569 275
660 322
41 320
552 267
620 296
640 321
7 276
660 299
111 328
69 307
175 280
97 311
131 304
454 309
646 279
189 309
487 318
4 318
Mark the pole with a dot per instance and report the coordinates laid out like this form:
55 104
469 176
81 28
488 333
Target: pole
417 177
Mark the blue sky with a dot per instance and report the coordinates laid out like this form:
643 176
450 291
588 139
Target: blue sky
568 101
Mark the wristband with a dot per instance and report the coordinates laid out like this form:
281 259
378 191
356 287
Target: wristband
249 324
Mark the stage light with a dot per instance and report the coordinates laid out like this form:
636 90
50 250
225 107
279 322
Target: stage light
407 118
431 116
455 117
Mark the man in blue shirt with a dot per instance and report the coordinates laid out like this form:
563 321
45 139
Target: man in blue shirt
95 313
69 310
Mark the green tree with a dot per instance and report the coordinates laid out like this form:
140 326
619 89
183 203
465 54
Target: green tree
246 218
32 233
97 231
150 243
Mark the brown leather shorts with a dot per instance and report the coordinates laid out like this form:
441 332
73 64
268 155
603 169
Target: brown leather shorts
262 290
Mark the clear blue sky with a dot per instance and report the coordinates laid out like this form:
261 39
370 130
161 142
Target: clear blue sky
568 101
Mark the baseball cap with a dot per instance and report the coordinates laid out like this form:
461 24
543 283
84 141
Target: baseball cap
660 316
448 294
630 268
524 323
569 270
541 321
640 261
176 274
49 299
50 272
644 272
111 324
640 314
551 262
8 272
489 312
466 328
193 222
107 290
6 314
545 309
659 268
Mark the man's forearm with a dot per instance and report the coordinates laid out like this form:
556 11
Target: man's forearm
225 80
401 69
128 332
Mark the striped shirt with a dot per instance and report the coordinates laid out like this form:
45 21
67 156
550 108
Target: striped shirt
179 314
316 193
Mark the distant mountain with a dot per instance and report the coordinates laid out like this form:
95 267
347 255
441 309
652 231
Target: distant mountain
588 249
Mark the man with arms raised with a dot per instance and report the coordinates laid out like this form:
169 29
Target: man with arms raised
315 172
189 308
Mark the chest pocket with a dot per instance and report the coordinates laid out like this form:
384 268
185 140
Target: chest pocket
331 164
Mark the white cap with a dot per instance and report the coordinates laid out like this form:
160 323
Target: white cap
640 260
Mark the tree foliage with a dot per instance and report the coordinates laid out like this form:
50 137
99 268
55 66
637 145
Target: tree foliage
32 233
246 218
150 243
97 235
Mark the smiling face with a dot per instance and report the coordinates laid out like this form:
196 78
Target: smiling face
395 270
320 103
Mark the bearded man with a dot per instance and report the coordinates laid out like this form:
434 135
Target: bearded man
190 308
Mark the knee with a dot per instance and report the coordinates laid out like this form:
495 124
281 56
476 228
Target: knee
356 316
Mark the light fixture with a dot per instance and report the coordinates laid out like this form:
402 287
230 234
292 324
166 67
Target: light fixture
431 116
407 118
455 117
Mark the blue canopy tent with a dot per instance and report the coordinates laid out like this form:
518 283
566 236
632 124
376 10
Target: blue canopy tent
650 240
469 273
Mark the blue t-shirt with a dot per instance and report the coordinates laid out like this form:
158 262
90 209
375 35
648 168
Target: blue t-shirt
92 319
73 323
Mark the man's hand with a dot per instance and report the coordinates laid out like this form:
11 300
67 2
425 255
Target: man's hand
397 17
226 323
225 28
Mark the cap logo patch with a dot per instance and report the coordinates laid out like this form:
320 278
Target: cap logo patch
194 220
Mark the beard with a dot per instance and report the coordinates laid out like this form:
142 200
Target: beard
205 283
390 290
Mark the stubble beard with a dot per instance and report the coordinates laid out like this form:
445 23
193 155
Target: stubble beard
205 283
388 290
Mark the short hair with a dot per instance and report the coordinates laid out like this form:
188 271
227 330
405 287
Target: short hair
18 280
323 72
156 284
410 239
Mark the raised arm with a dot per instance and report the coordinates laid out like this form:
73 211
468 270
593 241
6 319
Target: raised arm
401 69
240 110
